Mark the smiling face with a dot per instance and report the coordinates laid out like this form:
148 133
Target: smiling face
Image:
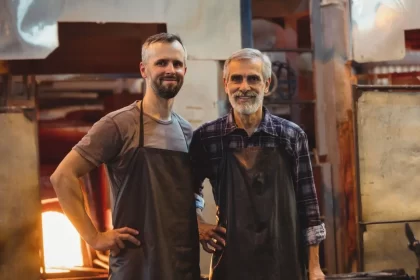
245 85
164 68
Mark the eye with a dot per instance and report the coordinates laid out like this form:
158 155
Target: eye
178 64
253 79
161 63
236 78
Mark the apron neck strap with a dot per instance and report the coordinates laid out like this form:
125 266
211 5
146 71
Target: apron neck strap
141 138
221 200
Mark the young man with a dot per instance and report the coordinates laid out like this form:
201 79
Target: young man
260 170
145 149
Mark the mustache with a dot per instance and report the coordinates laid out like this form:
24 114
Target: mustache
169 78
250 93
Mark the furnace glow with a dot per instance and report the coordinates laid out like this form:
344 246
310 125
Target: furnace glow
62 243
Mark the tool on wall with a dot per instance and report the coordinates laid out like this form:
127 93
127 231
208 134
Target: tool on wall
413 245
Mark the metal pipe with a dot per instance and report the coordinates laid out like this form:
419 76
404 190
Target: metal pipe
360 229
386 88
389 222
296 50
246 24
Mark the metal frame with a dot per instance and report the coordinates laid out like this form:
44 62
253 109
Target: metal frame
5 86
296 50
358 91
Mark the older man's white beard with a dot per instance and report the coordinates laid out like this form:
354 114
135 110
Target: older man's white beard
249 107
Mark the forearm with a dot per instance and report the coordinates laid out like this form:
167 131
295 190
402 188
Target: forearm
71 199
313 257
200 217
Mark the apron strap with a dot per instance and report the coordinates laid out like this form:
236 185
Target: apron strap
221 191
141 137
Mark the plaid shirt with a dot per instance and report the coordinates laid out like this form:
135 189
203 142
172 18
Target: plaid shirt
206 151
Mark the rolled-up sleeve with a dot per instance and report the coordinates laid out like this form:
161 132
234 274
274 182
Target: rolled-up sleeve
313 229
314 235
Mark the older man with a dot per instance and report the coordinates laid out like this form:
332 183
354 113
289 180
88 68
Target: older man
260 170
145 149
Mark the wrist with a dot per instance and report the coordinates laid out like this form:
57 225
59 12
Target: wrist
314 269
200 218
92 239
314 266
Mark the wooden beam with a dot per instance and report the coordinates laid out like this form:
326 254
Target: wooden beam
335 129
3 67
4 89
278 9
412 39
92 48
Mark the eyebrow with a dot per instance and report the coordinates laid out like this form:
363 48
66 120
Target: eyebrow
247 76
168 59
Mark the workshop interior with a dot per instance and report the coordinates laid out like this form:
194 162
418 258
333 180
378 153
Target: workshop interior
347 72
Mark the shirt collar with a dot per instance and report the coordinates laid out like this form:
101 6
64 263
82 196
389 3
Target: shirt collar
266 124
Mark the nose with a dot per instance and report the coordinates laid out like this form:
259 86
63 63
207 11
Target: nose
170 69
244 86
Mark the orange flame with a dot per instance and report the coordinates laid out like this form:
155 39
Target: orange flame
62 243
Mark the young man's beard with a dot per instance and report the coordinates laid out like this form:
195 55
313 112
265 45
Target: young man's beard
166 92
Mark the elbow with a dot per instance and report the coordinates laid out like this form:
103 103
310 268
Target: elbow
57 179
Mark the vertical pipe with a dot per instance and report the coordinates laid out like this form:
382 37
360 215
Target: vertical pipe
246 24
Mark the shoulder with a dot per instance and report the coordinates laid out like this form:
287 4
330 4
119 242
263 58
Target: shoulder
125 118
212 128
130 111
286 130
184 123
117 126
187 128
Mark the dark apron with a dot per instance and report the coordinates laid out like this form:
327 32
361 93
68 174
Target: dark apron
161 207
257 205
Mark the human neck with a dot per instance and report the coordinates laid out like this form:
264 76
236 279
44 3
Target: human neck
157 107
248 122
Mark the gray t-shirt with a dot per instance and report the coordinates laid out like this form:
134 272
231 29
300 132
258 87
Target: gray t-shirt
114 138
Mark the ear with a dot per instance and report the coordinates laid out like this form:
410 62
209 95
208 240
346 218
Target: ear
225 85
185 71
143 70
267 85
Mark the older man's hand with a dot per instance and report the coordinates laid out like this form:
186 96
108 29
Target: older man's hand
211 236
316 274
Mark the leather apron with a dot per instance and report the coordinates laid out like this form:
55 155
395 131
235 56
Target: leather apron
160 204
257 206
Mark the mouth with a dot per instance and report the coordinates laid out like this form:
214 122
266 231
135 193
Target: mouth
169 79
244 98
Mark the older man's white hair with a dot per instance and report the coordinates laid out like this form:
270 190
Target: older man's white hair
249 54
